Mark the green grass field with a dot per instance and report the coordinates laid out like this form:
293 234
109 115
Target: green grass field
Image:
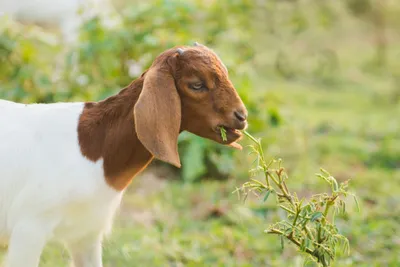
338 108
163 222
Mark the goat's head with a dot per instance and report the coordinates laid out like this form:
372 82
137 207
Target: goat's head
187 89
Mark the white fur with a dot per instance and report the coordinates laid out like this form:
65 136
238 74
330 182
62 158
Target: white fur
48 190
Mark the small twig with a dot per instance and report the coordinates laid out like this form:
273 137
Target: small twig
289 237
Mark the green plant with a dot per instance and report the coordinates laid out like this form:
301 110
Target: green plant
223 133
310 223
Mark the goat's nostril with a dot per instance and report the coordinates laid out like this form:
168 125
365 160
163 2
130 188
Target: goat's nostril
240 115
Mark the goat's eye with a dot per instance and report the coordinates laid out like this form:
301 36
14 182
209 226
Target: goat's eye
197 86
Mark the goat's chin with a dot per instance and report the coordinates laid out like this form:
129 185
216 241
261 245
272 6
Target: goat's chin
234 142
236 145
231 143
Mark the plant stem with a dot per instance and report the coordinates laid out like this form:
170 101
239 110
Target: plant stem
329 204
261 154
291 238
296 216
272 177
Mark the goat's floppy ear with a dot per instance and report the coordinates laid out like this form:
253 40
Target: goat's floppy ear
158 115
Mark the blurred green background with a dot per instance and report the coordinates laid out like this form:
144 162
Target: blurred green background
321 81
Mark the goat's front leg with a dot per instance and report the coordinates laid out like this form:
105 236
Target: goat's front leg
26 244
86 253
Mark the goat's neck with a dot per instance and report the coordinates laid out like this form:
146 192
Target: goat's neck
107 131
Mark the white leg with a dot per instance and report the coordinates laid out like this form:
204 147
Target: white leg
87 253
26 244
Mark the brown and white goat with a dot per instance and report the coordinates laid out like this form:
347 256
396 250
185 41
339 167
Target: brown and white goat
64 166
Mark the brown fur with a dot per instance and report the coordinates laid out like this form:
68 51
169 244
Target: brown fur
144 120
107 130
157 112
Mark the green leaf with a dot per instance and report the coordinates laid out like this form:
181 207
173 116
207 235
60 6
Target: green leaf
316 216
223 133
357 204
343 204
304 244
266 195
335 186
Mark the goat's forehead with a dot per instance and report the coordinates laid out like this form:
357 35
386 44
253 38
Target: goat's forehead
220 62
216 58
209 56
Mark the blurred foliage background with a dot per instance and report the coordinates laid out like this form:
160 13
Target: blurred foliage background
321 81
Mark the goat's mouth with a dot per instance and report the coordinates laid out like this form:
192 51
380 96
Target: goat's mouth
231 136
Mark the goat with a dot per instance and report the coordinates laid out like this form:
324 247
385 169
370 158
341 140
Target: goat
65 166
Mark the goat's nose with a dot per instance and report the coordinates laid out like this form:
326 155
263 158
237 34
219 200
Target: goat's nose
240 115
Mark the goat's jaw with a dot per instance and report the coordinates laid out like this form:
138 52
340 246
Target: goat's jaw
232 135
236 146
